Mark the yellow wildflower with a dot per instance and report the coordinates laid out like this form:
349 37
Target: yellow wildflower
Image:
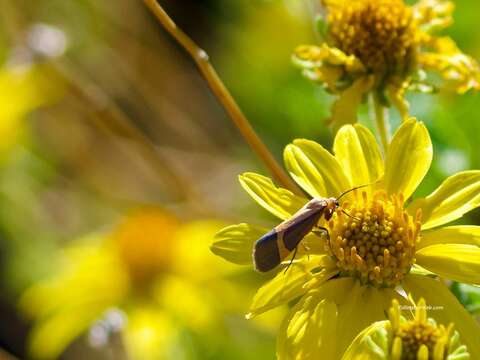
152 268
23 88
384 47
347 280
400 339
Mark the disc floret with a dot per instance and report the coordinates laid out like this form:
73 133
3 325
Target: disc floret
380 33
422 337
374 239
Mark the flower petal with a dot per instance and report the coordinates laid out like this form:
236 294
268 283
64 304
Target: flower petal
437 294
304 333
357 151
408 158
344 109
280 202
316 170
235 243
370 344
462 234
67 324
285 287
457 195
326 320
452 261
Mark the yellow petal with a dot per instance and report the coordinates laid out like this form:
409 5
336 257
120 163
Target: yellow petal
358 153
191 303
71 300
151 333
457 195
447 309
462 234
461 72
235 243
316 170
397 97
327 319
452 261
370 344
284 287
344 109
361 310
280 202
408 158
303 336
51 335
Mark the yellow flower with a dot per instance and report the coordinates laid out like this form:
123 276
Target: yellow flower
152 268
23 88
384 47
385 245
400 339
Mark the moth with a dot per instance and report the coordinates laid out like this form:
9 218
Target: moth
276 245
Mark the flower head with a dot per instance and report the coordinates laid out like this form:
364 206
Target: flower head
384 47
400 338
138 269
378 243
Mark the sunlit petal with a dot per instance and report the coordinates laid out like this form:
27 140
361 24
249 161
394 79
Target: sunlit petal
345 108
284 287
462 234
316 170
327 319
357 151
452 261
280 202
457 195
235 243
449 309
408 158
370 344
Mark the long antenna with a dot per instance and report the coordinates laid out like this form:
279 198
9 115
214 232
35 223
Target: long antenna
350 216
353 189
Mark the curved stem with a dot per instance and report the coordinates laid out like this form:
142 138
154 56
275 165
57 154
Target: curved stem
382 122
223 95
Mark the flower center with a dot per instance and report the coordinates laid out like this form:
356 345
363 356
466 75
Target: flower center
381 33
414 334
376 241
144 243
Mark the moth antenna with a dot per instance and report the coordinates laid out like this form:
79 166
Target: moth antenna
355 188
350 216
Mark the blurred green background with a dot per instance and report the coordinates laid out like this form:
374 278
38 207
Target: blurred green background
101 113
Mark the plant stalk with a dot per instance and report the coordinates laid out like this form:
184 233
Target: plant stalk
201 59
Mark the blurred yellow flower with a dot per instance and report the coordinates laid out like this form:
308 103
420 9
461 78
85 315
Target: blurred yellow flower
145 269
23 88
348 281
400 339
384 47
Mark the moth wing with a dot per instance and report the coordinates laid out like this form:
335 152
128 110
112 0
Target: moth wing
266 255
297 230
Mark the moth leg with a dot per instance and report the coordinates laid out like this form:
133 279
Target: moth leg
324 231
291 260
307 249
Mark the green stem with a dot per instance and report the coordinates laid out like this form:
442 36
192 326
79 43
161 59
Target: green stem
382 122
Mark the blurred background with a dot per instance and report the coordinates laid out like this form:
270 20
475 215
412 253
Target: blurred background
117 166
